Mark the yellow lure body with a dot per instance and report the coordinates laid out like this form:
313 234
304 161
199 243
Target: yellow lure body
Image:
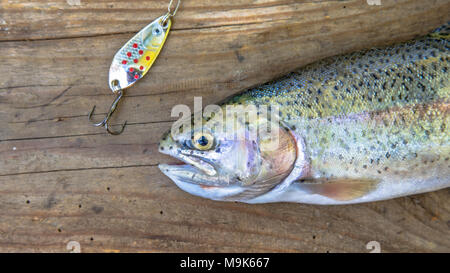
137 56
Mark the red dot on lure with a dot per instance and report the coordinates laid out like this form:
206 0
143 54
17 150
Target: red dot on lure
131 69
141 68
136 76
141 52
147 58
124 62
135 61
135 45
129 54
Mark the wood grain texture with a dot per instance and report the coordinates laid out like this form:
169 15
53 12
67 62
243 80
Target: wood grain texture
63 180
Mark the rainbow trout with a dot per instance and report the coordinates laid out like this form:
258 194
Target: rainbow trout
360 127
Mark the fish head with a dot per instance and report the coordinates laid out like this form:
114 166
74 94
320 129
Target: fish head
228 160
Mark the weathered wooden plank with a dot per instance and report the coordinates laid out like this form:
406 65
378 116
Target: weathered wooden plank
62 179
66 74
121 210
24 20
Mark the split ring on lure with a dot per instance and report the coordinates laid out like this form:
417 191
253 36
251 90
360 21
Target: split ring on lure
134 60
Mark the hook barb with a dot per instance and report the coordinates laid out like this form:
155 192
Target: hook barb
104 122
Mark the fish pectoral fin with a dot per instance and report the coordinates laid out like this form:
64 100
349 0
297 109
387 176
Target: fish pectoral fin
339 189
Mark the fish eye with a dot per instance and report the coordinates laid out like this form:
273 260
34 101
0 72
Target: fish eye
203 141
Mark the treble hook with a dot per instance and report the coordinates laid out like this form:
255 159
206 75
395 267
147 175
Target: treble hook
104 123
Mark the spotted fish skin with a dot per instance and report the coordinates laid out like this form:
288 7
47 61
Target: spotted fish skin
379 114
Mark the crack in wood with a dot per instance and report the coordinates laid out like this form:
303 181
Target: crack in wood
80 169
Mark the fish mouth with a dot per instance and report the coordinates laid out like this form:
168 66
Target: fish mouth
196 182
197 162
188 173
196 170
198 177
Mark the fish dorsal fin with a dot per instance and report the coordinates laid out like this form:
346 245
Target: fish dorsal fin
341 189
443 32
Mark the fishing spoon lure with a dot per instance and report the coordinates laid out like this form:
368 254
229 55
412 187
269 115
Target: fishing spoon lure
134 60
